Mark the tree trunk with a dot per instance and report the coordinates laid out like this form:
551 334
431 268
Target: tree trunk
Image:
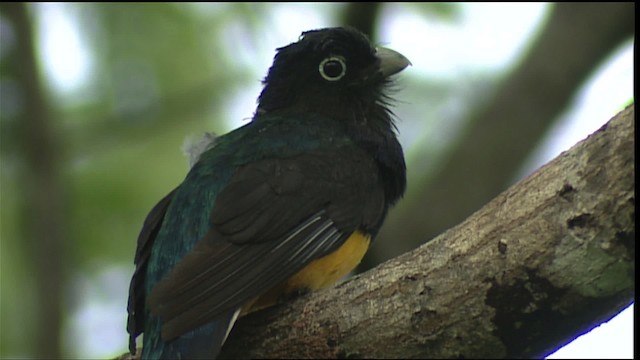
44 221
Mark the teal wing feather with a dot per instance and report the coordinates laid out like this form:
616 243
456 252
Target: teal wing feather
267 199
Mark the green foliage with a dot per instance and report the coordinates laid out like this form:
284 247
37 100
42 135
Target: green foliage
161 72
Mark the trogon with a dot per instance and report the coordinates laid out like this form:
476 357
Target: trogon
285 204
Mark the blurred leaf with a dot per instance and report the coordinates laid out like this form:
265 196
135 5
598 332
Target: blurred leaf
161 72
445 11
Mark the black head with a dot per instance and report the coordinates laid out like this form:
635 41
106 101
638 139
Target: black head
333 71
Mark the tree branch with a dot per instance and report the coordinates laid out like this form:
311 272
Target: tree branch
545 261
576 38
542 263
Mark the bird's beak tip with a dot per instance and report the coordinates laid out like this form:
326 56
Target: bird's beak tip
391 61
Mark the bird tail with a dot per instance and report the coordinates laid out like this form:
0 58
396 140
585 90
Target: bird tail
204 342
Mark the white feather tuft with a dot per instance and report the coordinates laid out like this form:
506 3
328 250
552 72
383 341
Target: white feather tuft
194 147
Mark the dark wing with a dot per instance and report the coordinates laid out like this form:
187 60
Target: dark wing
274 217
136 303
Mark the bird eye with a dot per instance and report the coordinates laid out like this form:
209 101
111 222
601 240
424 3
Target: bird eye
333 68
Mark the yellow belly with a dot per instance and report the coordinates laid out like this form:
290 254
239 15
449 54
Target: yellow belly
327 270
319 274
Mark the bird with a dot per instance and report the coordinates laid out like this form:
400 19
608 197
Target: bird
285 204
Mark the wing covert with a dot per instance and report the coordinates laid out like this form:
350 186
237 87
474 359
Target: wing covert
273 217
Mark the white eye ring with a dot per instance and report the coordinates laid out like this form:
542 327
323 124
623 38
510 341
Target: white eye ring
332 77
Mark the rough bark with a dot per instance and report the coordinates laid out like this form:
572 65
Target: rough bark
542 263
545 261
575 39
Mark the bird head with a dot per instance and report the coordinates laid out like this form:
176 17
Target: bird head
336 72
